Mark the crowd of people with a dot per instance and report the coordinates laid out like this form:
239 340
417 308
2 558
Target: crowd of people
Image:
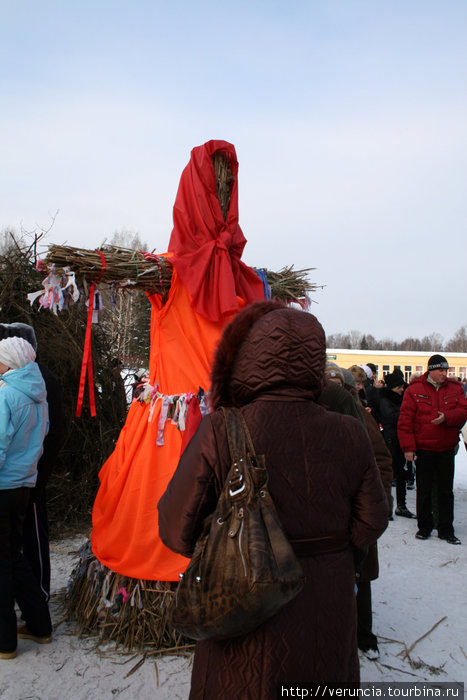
420 421
271 363
335 440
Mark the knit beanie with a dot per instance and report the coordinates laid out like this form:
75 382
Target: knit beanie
367 371
16 352
437 362
394 380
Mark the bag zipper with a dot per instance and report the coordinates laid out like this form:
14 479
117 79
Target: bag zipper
240 515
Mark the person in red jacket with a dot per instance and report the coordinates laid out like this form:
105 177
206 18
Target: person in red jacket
433 411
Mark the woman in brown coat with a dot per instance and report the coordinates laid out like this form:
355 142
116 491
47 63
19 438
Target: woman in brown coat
326 488
368 570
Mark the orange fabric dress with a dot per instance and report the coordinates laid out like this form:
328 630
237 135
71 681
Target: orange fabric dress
208 277
125 535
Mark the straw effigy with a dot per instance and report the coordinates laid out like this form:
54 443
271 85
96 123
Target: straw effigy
132 613
128 612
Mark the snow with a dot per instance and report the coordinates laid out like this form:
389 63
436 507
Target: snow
420 583
421 586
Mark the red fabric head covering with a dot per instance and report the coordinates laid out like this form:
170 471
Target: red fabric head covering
206 249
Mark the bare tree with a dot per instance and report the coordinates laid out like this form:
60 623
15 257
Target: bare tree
7 239
128 239
372 342
388 344
458 342
433 342
410 344
127 314
355 339
365 341
338 340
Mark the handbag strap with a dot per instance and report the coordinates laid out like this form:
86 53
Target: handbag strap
238 435
240 447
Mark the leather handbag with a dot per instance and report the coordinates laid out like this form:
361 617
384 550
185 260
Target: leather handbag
243 568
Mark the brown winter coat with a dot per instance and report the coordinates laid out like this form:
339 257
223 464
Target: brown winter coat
369 569
339 399
324 482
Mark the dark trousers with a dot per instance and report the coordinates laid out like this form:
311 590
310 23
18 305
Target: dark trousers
36 542
365 636
17 581
400 475
438 468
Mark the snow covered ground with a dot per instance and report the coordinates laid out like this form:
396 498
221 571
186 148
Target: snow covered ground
422 584
420 617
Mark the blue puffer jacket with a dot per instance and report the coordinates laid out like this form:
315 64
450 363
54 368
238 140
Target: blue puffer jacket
24 422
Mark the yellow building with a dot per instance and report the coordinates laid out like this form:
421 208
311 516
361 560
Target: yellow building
388 360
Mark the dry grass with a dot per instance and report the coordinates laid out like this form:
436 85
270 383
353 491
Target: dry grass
99 608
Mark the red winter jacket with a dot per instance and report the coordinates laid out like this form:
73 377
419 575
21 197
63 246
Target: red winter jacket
420 405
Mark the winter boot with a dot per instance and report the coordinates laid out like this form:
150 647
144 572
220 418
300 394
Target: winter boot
372 653
24 633
404 511
8 654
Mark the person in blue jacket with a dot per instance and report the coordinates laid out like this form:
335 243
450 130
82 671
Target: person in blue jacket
36 546
23 426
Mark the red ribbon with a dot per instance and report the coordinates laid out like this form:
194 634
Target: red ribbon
87 353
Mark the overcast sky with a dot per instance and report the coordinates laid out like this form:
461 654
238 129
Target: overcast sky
349 118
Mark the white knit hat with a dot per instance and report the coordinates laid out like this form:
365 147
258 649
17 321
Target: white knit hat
367 371
16 352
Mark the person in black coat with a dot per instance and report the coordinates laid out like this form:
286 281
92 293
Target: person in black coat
372 392
389 409
36 525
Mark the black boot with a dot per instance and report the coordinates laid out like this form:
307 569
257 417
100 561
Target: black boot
404 511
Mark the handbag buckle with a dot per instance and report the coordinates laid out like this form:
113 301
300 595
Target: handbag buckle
237 485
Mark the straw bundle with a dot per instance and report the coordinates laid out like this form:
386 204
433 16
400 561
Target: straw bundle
123 266
224 180
153 274
131 613
290 285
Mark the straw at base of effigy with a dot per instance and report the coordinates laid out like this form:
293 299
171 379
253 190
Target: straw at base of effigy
130 613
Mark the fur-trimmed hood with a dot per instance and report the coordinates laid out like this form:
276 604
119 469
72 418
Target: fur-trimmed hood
269 349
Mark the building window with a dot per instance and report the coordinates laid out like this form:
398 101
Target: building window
452 372
419 368
386 370
463 372
407 373
398 367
